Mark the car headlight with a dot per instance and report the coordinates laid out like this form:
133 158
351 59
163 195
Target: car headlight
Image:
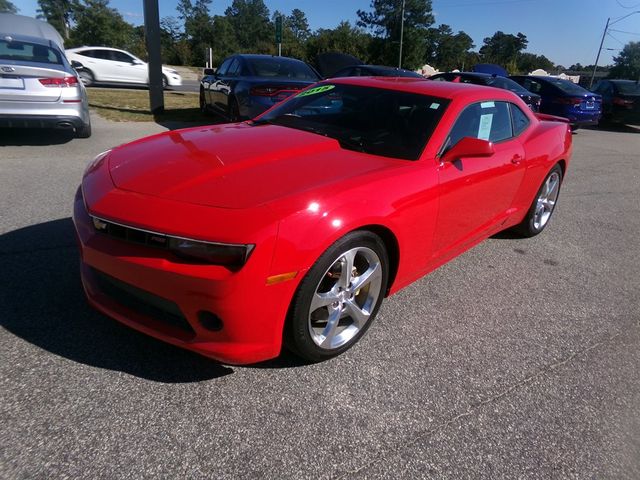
175 72
95 163
216 253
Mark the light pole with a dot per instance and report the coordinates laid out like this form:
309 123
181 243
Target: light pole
606 27
401 36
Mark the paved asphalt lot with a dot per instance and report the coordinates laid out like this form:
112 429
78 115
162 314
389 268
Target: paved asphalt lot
519 359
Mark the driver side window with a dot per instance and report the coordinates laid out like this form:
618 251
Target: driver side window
484 120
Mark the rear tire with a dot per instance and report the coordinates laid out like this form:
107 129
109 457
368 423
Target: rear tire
543 205
84 131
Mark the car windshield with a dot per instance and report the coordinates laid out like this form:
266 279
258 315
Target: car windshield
628 88
281 68
567 87
382 122
28 52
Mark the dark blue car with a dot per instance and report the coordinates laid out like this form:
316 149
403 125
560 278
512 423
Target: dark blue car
564 99
246 85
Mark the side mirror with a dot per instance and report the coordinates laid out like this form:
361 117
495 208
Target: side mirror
135 61
76 64
208 71
468 147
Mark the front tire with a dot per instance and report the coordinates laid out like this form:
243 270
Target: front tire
86 77
543 205
339 297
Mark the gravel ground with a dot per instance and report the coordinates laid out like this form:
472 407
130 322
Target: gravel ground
519 359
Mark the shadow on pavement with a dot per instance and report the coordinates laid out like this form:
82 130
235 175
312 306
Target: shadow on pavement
33 137
615 127
42 302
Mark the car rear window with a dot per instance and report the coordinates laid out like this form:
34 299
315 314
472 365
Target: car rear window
567 87
628 88
278 67
28 52
507 84
377 121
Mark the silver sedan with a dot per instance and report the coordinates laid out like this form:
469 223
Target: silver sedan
38 86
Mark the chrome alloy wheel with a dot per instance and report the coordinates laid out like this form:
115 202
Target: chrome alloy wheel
345 298
546 201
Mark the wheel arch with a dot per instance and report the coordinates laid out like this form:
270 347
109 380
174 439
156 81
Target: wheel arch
391 245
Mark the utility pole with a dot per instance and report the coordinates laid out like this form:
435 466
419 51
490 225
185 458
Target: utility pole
401 36
602 42
595 67
152 36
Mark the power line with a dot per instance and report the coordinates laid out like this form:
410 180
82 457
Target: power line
622 31
623 6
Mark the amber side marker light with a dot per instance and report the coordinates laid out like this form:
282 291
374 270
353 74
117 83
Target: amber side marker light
283 277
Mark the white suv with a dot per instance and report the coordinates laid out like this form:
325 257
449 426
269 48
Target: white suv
110 65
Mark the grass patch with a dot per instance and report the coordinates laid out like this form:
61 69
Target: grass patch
121 105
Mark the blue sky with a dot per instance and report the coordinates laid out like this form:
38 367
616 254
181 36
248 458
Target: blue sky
566 31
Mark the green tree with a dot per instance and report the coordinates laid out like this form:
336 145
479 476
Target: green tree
299 25
295 33
447 51
344 38
198 28
59 13
528 62
7 7
225 42
98 24
385 20
175 47
253 30
627 64
503 49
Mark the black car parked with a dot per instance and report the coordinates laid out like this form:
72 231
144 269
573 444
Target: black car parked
246 85
374 71
620 100
496 81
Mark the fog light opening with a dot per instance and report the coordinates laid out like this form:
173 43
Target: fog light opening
210 321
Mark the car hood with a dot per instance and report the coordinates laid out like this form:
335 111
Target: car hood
235 165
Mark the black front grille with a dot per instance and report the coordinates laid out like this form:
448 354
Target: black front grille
142 302
129 234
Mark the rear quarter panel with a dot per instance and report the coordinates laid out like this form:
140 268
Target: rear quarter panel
545 144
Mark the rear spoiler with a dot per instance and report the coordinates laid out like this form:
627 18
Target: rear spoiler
551 118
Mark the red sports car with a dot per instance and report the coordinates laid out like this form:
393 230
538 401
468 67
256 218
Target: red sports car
231 240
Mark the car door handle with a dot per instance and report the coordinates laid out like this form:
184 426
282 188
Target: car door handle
517 159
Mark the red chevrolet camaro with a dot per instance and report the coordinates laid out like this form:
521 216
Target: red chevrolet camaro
231 240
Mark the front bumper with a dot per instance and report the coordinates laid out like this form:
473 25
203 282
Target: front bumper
165 297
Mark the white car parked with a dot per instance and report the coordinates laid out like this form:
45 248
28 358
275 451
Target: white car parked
110 65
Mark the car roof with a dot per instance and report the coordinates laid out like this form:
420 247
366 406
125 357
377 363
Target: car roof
20 27
450 90
77 49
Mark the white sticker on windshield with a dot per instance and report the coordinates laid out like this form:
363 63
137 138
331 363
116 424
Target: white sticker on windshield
435 106
487 105
484 131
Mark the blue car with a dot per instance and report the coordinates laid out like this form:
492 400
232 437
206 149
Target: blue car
564 99
246 85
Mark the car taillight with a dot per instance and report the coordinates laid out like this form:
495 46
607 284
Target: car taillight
270 91
569 101
59 82
622 101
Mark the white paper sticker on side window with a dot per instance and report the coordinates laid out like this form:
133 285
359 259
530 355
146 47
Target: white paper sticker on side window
487 105
484 130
